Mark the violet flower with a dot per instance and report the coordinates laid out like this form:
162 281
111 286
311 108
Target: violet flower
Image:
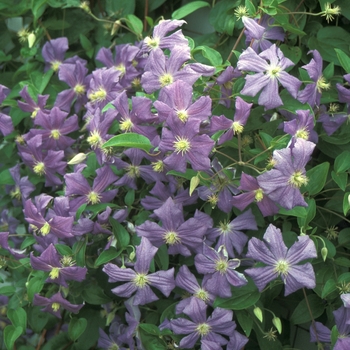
53 53
61 269
30 105
230 233
269 66
4 239
6 125
281 261
261 33
200 327
282 184
139 281
185 144
183 237
78 186
312 92
55 303
231 127
255 194
331 120
343 92
22 188
219 271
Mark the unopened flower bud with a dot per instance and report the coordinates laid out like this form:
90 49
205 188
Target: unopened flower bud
31 40
324 253
194 183
258 313
132 255
278 324
77 159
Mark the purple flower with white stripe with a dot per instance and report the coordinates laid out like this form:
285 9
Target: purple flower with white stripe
281 261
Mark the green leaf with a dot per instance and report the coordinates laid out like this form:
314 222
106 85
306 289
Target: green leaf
301 313
76 327
310 213
107 107
94 295
296 211
242 298
162 257
342 262
107 255
340 179
292 52
185 10
120 233
6 178
342 162
64 249
87 46
120 8
37 319
7 290
130 140
35 285
11 334
38 8
151 342
129 197
18 317
79 249
328 288
134 23
245 320
346 203
221 16
344 60
317 178
213 56
150 328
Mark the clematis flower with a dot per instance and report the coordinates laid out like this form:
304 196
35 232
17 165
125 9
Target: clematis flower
200 327
343 92
219 271
261 33
255 194
78 186
312 92
269 66
281 261
30 105
139 281
61 269
54 304
183 237
4 239
6 125
53 52
331 120
282 184
185 144
230 233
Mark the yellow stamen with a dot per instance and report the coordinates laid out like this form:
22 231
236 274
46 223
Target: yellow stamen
182 145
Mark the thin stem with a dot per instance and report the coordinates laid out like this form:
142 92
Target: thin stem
146 14
236 44
239 147
311 315
334 213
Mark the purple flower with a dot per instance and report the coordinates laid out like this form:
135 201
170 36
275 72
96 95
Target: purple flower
331 121
255 194
4 238
175 101
269 66
281 261
261 33
282 184
230 233
53 53
185 144
220 272
343 92
22 188
54 304
61 269
78 186
183 237
30 105
6 125
200 327
231 127
139 280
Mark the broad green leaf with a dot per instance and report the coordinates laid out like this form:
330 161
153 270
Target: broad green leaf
64 249
185 10
18 317
107 107
221 16
245 320
346 203
38 8
329 288
120 233
79 249
76 327
317 178
296 211
129 140
11 334
87 45
292 52
129 197
301 313
94 295
344 238
340 179
107 256
242 298
37 319
150 328
342 262
7 290
6 178
162 257
134 23
310 213
120 8
213 56
342 162
34 286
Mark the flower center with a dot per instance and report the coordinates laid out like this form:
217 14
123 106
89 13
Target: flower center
297 179
114 347
165 79
182 145
171 238
98 95
79 89
202 294
152 43
55 134
203 329
237 127
121 68
126 124
55 65
182 115
67 261
140 280
273 71
54 273
282 267
302 134
93 197
158 166
225 227
45 229
16 193
39 168
94 139
213 200
35 112
133 171
259 194
221 266
321 84
136 83
55 306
